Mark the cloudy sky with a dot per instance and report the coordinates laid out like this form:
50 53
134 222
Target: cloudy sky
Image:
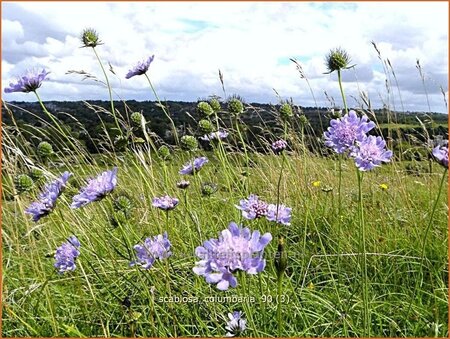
250 42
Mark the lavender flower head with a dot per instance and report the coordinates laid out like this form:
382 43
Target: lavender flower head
66 254
183 184
252 207
47 199
152 249
440 153
165 203
197 162
214 136
370 153
30 82
279 146
140 68
96 189
344 132
235 249
279 213
236 325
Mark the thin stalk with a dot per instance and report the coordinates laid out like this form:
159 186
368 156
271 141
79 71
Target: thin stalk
342 91
279 289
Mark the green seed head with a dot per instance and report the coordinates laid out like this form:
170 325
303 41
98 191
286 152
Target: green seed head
45 150
303 120
235 106
205 126
286 111
215 105
89 38
36 174
189 143
208 188
122 203
164 152
337 59
204 109
23 183
136 118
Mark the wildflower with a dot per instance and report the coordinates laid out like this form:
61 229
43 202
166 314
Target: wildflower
214 136
337 59
90 38
66 254
183 184
236 325
30 82
370 153
235 106
152 249
279 146
140 68
440 153
235 249
316 183
384 187
252 207
279 213
47 199
165 203
193 166
344 132
189 143
204 108
96 189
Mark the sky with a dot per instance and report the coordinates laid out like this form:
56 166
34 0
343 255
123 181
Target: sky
251 43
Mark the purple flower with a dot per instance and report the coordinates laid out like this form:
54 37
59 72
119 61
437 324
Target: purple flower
30 82
440 153
252 208
96 189
279 146
236 325
197 162
165 203
152 249
47 199
279 213
344 132
66 254
235 249
214 136
140 68
370 153
183 184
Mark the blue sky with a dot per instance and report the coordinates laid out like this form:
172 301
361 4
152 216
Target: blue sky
250 42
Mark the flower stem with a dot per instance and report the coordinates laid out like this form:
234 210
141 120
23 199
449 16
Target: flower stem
279 288
342 91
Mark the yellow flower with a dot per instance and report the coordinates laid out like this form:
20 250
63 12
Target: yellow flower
384 187
316 183
311 286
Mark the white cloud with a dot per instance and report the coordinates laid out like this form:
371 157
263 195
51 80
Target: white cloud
250 42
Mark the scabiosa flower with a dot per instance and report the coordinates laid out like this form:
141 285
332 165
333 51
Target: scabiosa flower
252 207
215 136
236 325
96 189
344 132
440 153
370 153
235 249
165 203
152 249
337 59
193 166
279 146
183 184
279 213
66 254
29 82
47 199
140 68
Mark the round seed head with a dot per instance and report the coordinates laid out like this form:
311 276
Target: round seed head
136 118
164 152
215 105
286 111
45 149
205 126
89 38
235 106
23 183
189 143
204 109
337 59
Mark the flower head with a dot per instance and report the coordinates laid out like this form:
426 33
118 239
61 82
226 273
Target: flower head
183 184
29 82
96 189
140 68
279 146
384 187
165 203
152 249
344 132
188 143
440 153
236 325
279 213
193 166
370 153
337 59
235 249
90 38
47 199
66 254
316 183
252 207
204 108
214 136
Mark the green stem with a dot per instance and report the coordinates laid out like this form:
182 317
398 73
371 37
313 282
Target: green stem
342 91
279 288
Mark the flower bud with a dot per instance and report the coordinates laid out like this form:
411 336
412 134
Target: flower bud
44 149
205 126
23 183
89 38
204 109
164 152
280 258
303 120
215 105
337 59
209 188
136 118
286 111
122 203
183 184
235 106
36 174
189 143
